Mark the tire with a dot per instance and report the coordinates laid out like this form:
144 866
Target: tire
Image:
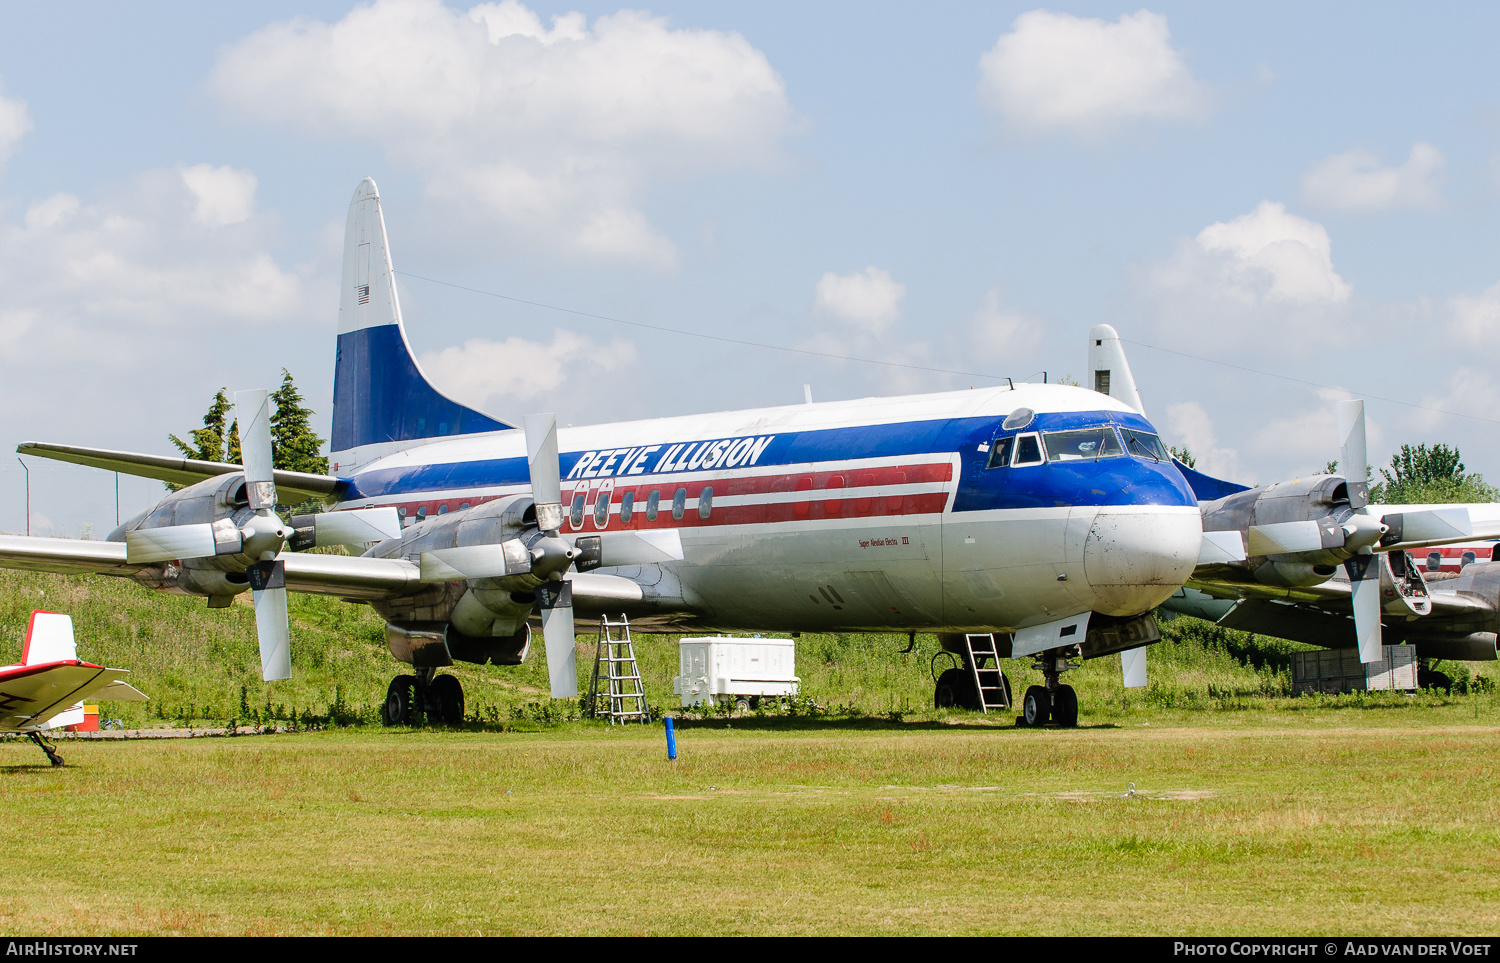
742 704
1065 707
398 701
955 690
1036 708
447 695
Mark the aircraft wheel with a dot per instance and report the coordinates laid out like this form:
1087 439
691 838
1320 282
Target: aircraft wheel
742 704
447 695
1065 707
954 690
1037 706
398 701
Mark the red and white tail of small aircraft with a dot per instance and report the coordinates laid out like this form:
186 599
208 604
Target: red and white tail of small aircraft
47 689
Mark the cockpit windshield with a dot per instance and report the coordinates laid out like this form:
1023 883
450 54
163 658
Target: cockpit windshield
1143 444
1089 444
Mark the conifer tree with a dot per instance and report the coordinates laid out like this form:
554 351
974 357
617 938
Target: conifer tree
294 447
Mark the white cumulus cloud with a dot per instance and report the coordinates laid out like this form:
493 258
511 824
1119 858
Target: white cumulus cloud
15 123
1268 255
223 195
1355 181
491 374
1188 424
870 298
1058 72
556 132
998 332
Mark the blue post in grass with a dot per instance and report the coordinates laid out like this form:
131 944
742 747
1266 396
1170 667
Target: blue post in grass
671 740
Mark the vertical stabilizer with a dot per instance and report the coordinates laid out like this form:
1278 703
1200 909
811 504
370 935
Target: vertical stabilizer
381 400
49 638
1109 369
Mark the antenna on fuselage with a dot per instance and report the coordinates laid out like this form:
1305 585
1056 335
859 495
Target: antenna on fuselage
1111 371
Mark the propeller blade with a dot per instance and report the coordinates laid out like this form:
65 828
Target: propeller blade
546 476
1286 538
254 412
357 527
510 557
1431 527
182 541
555 599
1133 667
1364 580
1353 461
268 587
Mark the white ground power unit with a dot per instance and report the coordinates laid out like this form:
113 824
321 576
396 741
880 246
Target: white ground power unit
739 671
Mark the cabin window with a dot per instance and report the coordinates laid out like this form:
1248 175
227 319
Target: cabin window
653 500
576 515
601 509
401 511
1468 560
833 506
706 502
1000 452
893 502
1144 444
801 508
421 512
1086 444
862 505
627 507
443 508
679 504
1028 451
1434 561
464 507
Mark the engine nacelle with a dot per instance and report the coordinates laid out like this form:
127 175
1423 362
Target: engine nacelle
1316 498
222 500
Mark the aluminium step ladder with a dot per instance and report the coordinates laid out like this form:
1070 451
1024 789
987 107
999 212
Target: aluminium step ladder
991 684
617 677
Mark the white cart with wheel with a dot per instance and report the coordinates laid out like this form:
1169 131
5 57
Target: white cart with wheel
732 671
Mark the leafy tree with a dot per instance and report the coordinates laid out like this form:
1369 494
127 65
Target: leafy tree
1424 475
1183 455
294 447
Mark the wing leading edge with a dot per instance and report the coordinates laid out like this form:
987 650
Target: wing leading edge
295 485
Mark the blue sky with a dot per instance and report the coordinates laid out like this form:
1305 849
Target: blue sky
1309 192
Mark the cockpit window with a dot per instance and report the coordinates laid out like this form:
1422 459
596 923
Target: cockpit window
1000 453
1143 444
1086 444
1028 451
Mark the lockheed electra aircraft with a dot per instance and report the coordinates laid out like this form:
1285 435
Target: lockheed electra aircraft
1047 516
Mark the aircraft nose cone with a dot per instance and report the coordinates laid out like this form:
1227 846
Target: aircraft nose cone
1136 557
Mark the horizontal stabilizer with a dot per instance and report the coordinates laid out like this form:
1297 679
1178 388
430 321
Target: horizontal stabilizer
120 692
1207 488
34 694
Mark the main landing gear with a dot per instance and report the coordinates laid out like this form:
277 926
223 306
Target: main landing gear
1052 702
410 698
46 746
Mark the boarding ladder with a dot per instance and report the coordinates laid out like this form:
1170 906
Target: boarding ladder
984 663
617 677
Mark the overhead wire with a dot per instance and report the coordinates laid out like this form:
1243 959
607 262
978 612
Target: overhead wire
916 367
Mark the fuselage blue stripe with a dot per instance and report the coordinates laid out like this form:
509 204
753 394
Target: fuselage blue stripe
1108 481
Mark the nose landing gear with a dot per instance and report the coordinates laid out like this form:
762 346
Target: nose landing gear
1052 702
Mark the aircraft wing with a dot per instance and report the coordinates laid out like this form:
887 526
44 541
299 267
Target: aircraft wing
295 485
32 694
1333 595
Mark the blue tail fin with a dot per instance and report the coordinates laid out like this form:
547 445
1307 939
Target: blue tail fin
381 400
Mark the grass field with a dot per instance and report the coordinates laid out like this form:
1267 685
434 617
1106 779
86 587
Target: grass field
1253 812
